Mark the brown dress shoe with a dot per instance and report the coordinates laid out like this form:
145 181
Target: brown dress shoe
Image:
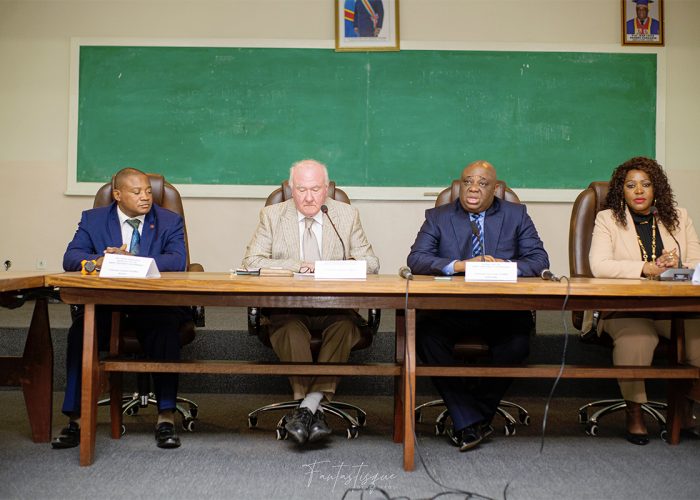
636 428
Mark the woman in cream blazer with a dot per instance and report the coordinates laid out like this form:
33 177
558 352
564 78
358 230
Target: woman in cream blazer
634 239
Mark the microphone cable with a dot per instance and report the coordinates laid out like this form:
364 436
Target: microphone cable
562 365
324 209
412 405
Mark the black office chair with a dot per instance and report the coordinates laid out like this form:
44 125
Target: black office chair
368 328
472 348
588 203
166 196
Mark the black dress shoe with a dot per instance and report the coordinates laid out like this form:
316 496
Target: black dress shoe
298 425
319 428
486 429
68 438
166 437
467 438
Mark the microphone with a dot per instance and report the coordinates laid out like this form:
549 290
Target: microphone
548 275
405 273
655 213
475 232
324 209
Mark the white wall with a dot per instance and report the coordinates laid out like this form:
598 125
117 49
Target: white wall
38 220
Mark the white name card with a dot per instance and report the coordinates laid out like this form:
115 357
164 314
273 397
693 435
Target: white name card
340 269
491 271
128 266
696 275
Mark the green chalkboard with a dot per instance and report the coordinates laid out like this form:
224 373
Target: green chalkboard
239 116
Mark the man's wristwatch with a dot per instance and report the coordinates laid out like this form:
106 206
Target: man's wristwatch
89 267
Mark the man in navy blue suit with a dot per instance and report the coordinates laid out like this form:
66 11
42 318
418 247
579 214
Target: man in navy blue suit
134 225
444 244
369 17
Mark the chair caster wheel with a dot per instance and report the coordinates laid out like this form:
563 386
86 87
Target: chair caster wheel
524 418
353 432
439 428
281 434
194 412
252 422
583 417
188 425
664 435
122 429
509 430
592 429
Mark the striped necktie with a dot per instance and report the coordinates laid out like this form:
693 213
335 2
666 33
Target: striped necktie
476 244
134 247
310 243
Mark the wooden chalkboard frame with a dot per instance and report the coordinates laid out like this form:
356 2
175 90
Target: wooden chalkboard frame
74 187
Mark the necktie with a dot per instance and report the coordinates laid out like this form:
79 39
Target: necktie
135 236
310 243
476 244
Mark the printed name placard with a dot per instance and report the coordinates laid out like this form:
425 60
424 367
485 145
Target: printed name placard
491 271
340 269
696 275
128 266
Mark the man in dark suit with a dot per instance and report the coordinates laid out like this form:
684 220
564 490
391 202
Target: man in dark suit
368 18
134 225
444 244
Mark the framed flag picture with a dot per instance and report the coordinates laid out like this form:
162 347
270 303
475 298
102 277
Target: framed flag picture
366 25
642 22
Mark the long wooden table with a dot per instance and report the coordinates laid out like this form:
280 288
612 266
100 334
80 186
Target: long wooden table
386 292
33 371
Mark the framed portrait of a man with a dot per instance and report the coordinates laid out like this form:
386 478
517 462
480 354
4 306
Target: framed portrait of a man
642 22
364 25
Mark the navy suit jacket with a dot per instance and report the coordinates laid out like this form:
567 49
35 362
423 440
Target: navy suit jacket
162 237
509 234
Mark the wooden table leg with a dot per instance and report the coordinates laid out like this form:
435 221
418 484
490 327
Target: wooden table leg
400 343
409 391
37 377
88 402
115 379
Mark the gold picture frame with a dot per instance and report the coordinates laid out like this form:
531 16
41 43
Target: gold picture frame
642 22
366 25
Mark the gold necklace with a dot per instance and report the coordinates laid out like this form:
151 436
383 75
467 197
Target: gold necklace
645 256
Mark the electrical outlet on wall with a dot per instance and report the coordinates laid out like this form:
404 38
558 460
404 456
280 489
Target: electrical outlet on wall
41 263
6 264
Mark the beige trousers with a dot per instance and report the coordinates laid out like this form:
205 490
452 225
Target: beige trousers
291 340
635 340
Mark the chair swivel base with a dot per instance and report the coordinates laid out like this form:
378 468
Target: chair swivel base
608 406
508 427
337 408
188 409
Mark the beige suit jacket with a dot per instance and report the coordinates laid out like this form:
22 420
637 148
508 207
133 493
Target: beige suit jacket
615 250
276 239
